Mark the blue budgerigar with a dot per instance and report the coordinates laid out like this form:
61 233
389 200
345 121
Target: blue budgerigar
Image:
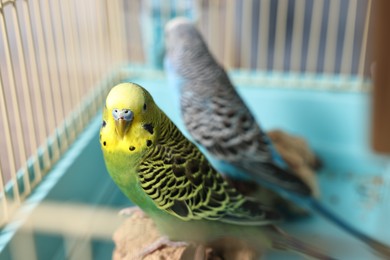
220 122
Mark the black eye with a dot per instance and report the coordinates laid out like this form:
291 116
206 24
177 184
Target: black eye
144 106
104 123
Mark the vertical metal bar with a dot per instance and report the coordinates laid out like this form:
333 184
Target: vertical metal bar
331 36
73 79
348 42
38 35
17 116
263 35
63 67
121 26
246 29
314 35
7 133
280 35
117 22
114 45
84 44
47 82
229 40
89 65
3 198
135 51
297 35
27 98
131 20
209 19
100 50
214 33
78 248
55 73
89 7
97 75
219 28
61 54
24 238
201 17
36 85
137 32
109 40
104 45
223 32
75 44
363 53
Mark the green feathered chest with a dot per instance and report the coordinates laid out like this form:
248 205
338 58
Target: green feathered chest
123 169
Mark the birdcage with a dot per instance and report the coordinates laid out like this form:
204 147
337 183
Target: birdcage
301 65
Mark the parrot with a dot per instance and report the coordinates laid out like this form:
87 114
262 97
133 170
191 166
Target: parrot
172 182
223 126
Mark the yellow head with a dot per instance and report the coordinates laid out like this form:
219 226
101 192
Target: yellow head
129 117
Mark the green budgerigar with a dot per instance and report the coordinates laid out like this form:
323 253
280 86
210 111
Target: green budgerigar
165 174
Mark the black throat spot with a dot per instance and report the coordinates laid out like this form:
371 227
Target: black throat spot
148 127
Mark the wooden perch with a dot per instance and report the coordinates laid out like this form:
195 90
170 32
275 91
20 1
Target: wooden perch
139 231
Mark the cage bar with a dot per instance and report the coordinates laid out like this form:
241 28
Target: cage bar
229 42
246 32
363 50
263 35
314 35
348 42
297 35
331 36
44 74
280 35
13 105
35 82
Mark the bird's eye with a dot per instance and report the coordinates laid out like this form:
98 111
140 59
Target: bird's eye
115 113
144 106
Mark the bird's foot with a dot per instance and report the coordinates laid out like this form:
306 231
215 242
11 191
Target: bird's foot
199 252
158 244
132 211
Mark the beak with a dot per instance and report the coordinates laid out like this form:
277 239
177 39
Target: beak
123 119
122 126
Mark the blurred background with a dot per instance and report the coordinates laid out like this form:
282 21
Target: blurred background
304 66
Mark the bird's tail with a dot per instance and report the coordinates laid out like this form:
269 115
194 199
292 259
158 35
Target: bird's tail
378 247
283 241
